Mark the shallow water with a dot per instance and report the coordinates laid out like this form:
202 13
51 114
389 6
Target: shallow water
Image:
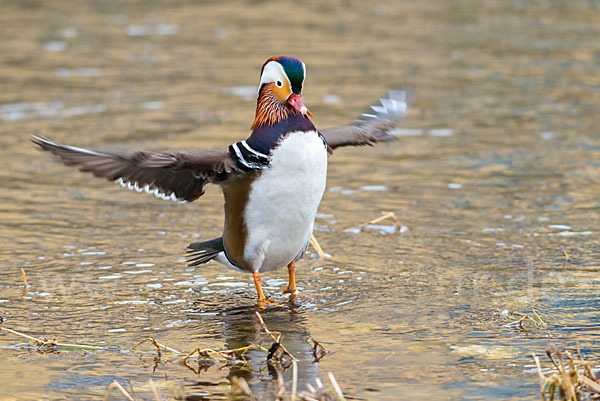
495 177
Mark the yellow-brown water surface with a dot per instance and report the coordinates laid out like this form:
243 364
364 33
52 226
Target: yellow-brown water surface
495 178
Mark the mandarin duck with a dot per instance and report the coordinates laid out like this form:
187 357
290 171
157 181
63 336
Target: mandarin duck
272 182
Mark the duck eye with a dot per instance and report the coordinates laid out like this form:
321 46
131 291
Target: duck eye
279 84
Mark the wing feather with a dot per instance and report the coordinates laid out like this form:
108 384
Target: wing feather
376 126
178 175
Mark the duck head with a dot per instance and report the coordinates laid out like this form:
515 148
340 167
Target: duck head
280 90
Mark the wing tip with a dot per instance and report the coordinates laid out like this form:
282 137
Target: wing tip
125 173
42 141
392 107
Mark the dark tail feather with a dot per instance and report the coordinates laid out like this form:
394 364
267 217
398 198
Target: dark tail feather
202 252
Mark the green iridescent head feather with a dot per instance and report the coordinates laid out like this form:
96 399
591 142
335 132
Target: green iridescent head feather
294 69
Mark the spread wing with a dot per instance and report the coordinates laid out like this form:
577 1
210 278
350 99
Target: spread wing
375 126
178 175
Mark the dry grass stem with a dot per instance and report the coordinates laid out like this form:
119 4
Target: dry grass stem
567 384
519 323
231 355
36 340
336 386
538 317
541 376
276 336
315 244
112 386
45 344
280 386
154 390
228 355
317 346
24 277
294 380
384 216
240 390
156 344
318 350
594 385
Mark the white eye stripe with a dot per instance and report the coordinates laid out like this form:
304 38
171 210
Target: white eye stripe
304 76
273 72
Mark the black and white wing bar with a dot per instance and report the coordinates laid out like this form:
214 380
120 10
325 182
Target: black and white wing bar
247 157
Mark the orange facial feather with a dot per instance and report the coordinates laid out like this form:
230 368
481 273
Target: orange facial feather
269 109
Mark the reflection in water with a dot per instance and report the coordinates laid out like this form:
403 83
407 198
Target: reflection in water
241 327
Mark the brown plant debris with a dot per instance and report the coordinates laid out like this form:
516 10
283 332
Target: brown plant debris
537 322
274 351
318 350
240 390
157 345
46 345
24 277
315 244
567 382
384 216
130 396
116 385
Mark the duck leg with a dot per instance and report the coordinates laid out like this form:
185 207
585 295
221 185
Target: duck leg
257 280
291 288
262 300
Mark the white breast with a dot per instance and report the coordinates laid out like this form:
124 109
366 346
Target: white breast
283 202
